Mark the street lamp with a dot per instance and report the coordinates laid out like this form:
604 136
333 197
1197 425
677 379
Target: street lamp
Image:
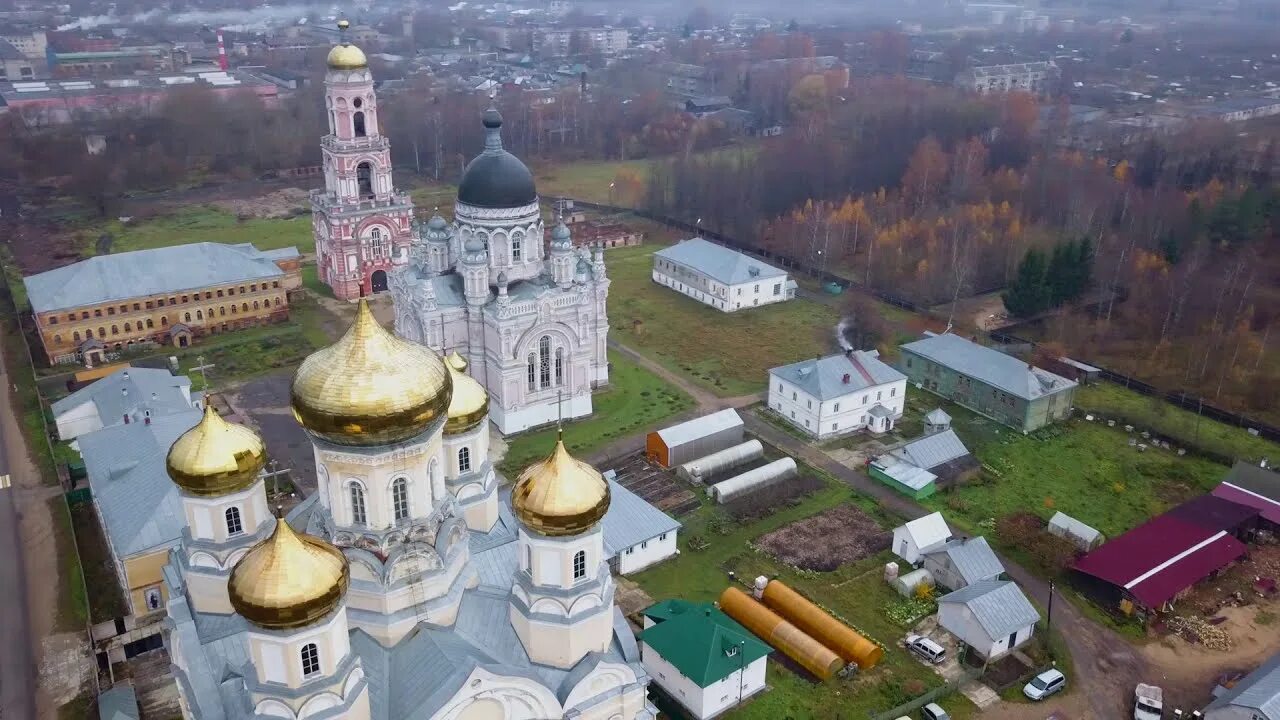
611 193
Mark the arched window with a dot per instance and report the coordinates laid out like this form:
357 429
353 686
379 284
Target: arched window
377 243
532 372
57 338
357 123
277 302
115 329
150 324
233 309
464 459
559 366
199 314
310 659
364 179
400 498
244 307
580 565
128 327
164 320
358 514
255 304
234 526
515 248
75 336
186 317
102 332
222 310
544 362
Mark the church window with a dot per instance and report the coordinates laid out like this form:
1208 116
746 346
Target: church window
377 243
400 498
310 659
464 459
580 565
234 525
559 366
544 362
357 123
531 372
358 515
115 329
186 317
357 103
515 248
150 323
199 314
364 179
128 327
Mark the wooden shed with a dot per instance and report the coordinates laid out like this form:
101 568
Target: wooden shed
696 438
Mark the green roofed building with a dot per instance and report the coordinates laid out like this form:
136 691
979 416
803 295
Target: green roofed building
700 657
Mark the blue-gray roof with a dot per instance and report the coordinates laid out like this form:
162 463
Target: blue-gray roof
718 262
933 450
989 366
118 703
938 416
973 559
106 278
1258 691
139 504
1074 527
631 521
838 375
999 607
131 390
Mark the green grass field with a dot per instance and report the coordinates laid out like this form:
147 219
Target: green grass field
727 353
202 223
1155 414
635 399
589 180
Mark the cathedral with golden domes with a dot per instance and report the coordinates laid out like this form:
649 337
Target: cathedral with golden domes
410 586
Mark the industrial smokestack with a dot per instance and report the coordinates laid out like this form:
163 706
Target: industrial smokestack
222 53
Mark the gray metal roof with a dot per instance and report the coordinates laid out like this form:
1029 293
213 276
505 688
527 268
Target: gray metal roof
990 366
1259 691
131 390
907 474
631 521
1074 527
139 504
938 416
157 271
838 375
999 606
118 703
718 262
973 559
933 450
701 427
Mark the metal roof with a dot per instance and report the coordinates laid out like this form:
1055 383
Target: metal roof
933 450
1267 507
118 703
916 478
928 531
938 416
1259 690
106 278
973 559
701 427
704 644
631 521
139 504
1074 527
989 366
838 375
999 607
129 391
718 262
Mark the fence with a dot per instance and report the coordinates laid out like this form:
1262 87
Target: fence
939 692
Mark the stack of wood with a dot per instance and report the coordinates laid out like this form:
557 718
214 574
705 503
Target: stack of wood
1199 630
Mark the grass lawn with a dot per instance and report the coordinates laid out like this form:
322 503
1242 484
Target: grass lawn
728 353
635 399
106 601
73 603
856 592
311 280
1112 400
202 223
589 180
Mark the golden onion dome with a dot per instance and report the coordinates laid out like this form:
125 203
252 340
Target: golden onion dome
346 57
216 457
560 495
470 403
370 388
288 580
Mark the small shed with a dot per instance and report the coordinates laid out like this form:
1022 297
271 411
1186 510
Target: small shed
1082 536
696 438
912 481
924 533
936 421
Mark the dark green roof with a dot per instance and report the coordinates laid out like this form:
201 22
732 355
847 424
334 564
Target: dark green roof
697 638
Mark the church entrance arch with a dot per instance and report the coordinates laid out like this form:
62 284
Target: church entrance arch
378 281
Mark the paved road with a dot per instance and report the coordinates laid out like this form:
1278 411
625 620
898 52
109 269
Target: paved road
17 665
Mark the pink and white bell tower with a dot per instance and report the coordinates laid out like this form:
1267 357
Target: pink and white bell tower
362 224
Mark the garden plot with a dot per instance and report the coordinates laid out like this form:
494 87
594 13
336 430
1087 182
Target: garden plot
767 500
656 485
824 542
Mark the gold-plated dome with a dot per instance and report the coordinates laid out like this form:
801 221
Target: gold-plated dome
288 580
560 495
470 403
370 388
346 57
216 457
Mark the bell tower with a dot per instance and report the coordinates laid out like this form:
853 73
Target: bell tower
362 224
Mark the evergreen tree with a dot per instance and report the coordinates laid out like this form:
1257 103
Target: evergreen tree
1060 277
1083 266
1029 294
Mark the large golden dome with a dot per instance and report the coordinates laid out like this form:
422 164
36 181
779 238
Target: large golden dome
215 457
370 388
470 403
560 495
288 580
346 57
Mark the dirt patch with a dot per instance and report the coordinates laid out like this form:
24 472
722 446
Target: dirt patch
767 500
827 540
283 203
1188 672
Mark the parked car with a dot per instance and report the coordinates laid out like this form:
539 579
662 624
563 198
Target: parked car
927 649
934 711
1148 702
1045 684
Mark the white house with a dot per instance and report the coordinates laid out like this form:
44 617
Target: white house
911 540
838 394
700 657
992 617
722 278
127 395
636 534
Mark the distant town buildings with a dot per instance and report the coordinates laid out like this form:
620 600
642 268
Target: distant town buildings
14 65
1038 78
168 296
720 277
560 42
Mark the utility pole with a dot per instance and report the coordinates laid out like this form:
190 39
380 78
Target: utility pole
1049 622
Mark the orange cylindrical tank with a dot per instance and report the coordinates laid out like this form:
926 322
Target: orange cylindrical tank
779 633
819 624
